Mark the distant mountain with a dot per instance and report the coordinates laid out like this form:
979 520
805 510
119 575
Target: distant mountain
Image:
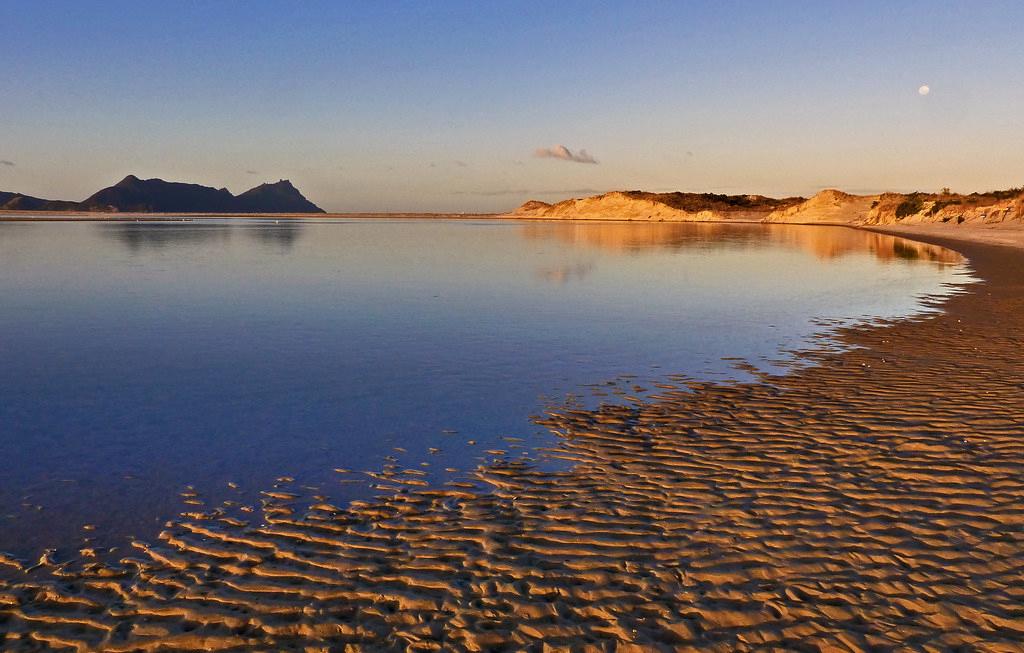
281 197
134 195
19 202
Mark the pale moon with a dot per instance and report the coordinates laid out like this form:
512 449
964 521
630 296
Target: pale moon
924 90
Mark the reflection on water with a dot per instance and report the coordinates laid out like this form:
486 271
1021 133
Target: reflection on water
139 358
283 233
565 273
160 234
825 242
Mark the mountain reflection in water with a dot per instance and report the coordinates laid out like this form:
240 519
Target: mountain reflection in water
158 234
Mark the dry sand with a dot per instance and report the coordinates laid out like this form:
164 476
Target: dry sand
872 501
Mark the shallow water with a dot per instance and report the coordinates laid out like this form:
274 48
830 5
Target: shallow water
139 358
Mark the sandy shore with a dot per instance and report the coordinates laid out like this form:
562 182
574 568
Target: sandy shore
1011 235
874 500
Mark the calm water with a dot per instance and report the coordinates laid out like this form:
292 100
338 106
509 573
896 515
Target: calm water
139 358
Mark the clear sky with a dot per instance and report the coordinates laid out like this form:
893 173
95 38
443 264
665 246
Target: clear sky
449 106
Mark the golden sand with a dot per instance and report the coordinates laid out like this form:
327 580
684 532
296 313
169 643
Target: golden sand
874 500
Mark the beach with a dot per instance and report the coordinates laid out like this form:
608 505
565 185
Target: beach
869 500
484 328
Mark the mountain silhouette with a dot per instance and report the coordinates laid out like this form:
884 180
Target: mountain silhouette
280 197
134 195
19 202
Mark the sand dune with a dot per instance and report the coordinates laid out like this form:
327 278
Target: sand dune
871 501
656 207
829 206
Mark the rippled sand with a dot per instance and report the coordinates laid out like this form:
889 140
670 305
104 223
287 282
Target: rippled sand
874 501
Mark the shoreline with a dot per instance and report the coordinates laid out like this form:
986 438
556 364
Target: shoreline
949 236
869 500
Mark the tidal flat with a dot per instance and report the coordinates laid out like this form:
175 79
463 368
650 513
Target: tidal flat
864 494
142 363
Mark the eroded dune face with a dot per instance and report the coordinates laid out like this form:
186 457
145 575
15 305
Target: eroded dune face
837 207
610 204
653 207
827 207
869 501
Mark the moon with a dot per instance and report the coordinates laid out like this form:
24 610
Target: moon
924 90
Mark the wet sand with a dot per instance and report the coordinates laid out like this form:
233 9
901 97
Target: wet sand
1009 234
874 500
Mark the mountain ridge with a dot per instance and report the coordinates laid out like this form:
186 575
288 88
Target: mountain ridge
135 195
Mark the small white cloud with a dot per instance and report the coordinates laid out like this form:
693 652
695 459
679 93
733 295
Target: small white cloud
563 153
924 89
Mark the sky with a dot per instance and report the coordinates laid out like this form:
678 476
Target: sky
479 106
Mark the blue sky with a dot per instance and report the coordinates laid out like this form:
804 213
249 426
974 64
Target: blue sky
377 106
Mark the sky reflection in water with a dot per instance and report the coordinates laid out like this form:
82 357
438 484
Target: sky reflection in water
137 358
